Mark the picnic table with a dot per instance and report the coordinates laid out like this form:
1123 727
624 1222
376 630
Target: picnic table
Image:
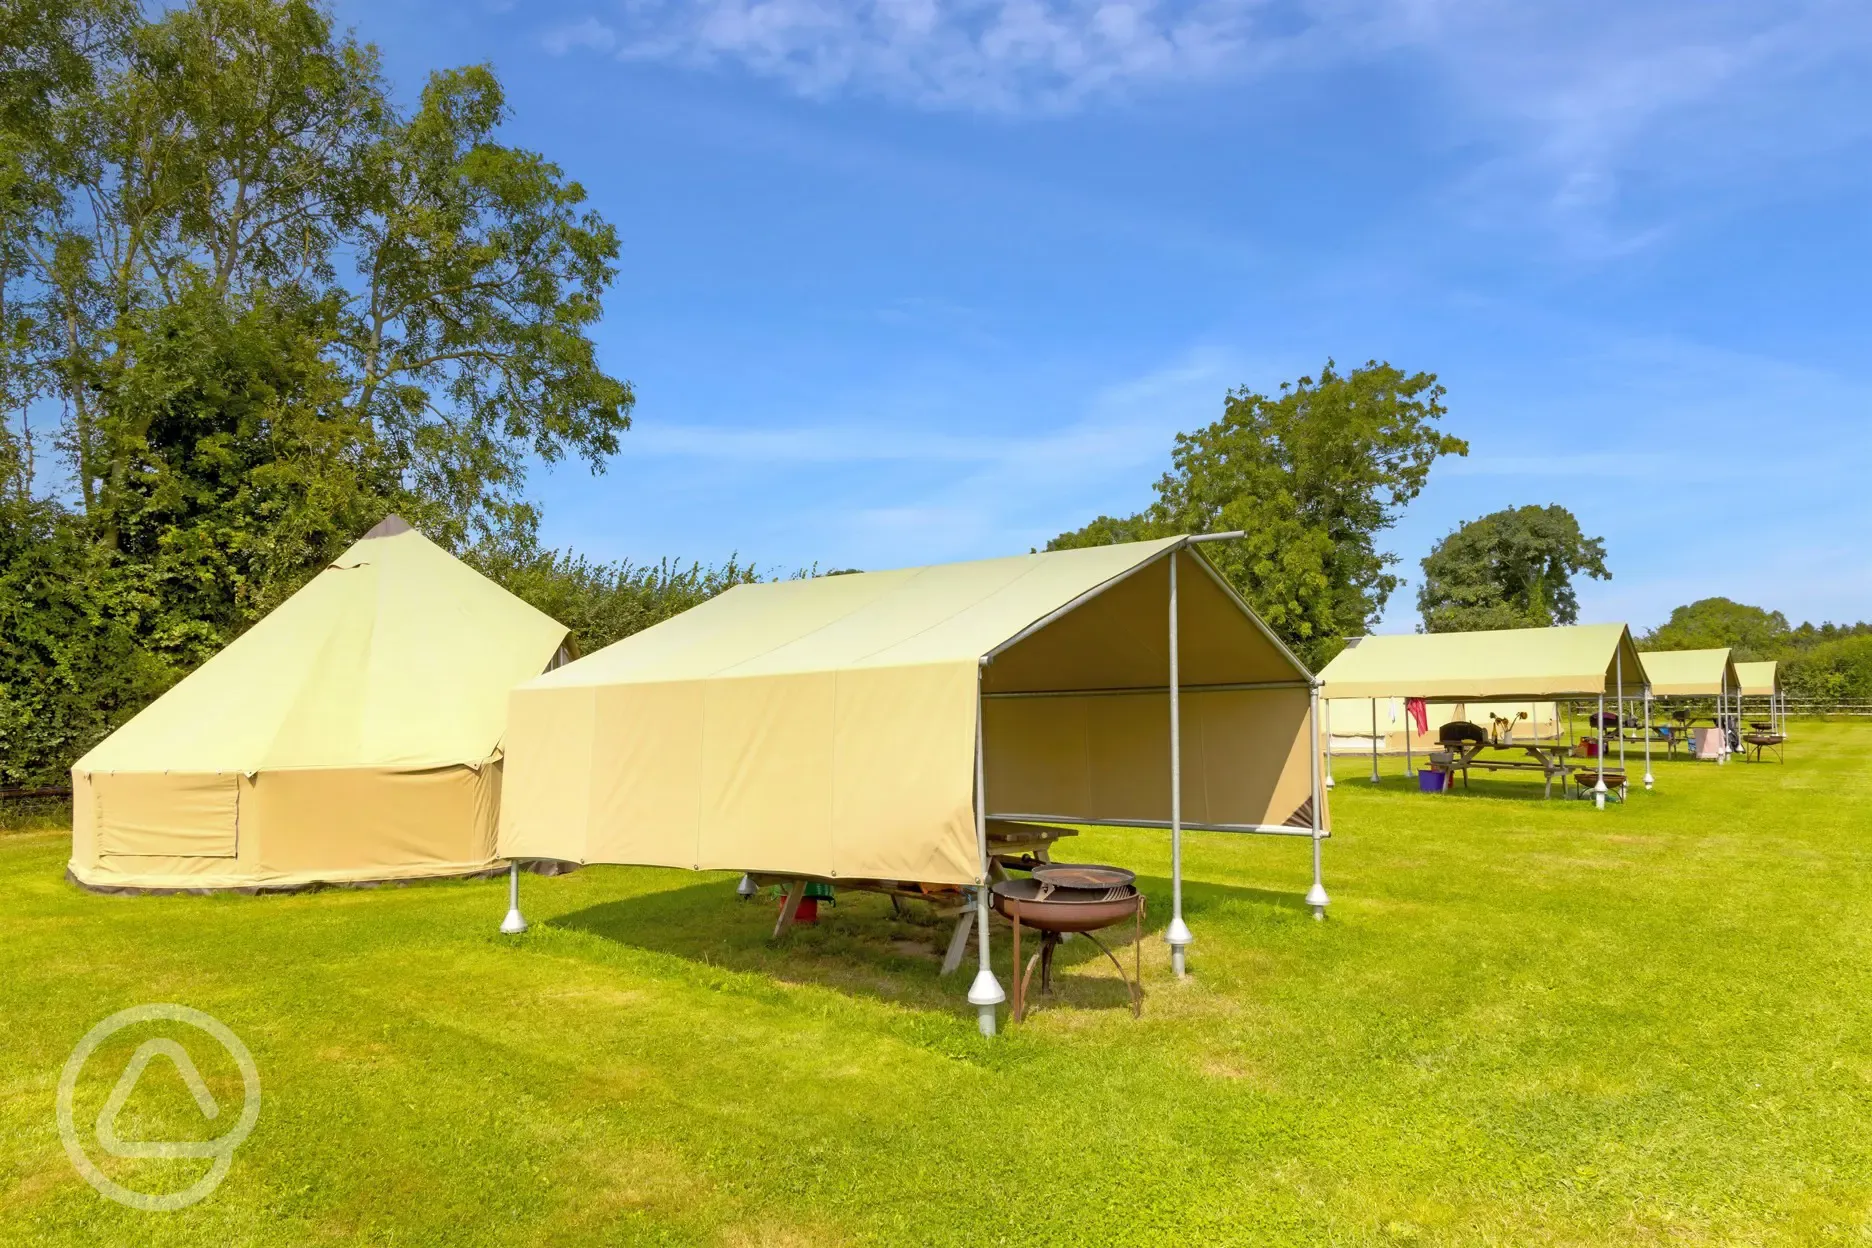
1011 845
1547 757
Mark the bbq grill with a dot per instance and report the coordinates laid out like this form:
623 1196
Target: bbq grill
1079 898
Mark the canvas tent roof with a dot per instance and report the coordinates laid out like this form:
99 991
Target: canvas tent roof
828 726
1690 673
1571 661
1759 679
297 751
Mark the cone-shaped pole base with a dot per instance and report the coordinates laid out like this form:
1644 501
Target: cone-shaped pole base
1317 898
513 924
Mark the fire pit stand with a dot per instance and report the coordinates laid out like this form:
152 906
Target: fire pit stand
1064 898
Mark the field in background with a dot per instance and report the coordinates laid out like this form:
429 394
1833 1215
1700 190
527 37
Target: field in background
1523 1022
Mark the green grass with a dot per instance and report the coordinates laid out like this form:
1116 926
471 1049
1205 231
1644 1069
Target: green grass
1523 1022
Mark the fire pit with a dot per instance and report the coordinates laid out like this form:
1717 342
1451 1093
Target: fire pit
1071 897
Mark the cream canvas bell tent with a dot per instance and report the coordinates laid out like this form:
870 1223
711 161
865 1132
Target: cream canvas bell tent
352 735
829 727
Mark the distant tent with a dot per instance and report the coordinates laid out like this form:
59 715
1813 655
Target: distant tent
352 735
1691 673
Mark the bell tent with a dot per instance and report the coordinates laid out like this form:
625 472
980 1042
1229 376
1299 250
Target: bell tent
351 735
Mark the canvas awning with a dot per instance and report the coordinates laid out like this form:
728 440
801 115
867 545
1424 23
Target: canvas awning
1691 673
828 727
1759 679
352 734
1571 661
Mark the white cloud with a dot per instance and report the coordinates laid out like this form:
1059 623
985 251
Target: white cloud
987 55
590 33
1564 103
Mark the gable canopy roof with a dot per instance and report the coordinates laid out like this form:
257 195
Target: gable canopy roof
396 655
1691 673
828 726
1572 661
1760 679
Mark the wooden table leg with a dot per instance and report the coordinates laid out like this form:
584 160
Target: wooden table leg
790 908
958 942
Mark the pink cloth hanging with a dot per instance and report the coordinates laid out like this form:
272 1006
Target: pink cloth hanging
1419 713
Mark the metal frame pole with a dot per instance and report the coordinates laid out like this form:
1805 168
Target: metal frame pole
1410 762
1316 896
1599 790
1722 720
515 922
1177 935
1317 700
1619 667
1374 740
985 993
1647 737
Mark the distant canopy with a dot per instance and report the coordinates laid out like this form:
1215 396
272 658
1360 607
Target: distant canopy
1512 664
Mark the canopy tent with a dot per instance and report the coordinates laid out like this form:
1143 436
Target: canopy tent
847 727
1691 673
1595 661
351 735
1701 674
1763 680
1348 721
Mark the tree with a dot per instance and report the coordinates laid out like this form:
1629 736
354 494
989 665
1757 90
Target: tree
264 305
1509 569
1709 623
1312 477
240 151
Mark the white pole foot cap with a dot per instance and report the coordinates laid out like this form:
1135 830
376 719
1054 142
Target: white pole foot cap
986 991
513 924
1177 935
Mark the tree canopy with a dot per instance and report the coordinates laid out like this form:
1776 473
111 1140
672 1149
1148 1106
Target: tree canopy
1512 568
1312 476
248 305
1709 623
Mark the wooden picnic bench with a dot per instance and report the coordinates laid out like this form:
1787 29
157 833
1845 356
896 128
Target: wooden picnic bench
1546 757
1010 845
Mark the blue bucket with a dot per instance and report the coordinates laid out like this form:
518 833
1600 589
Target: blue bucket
1432 781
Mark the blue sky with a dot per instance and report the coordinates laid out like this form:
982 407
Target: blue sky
908 281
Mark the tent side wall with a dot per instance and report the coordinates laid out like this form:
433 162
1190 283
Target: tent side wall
282 829
1104 758
860 773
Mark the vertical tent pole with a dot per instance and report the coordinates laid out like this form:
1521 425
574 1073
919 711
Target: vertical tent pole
1598 793
1178 934
1619 662
985 993
1374 740
1647 735
1316 896
1329 779
1410 763
514 923
1722 720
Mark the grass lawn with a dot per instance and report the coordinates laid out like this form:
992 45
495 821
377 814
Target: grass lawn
1523 1022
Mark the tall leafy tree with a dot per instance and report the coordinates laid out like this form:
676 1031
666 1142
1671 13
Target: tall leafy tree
259 304
1709 623
1312 476
1509 569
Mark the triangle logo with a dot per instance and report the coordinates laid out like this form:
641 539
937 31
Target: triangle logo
107 1136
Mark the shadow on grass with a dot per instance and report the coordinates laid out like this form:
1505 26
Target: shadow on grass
864 948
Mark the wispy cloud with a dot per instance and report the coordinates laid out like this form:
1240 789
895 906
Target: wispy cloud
1566 103
589 33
